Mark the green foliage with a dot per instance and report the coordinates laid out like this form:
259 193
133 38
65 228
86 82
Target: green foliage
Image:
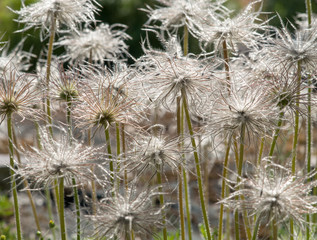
170 236
6 207
7 231
203 232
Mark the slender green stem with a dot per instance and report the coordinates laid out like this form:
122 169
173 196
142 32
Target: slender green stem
256 228
309 120
47 190
118 154
61 209
295 141
75 189
296 127
159 182
124 151
13 182
275 230
261 151
48 72
226 59
276 132
49 209
110 155
180 170
186 38
197 164
77 204
185 179
309 12
223 188
26 185
228 216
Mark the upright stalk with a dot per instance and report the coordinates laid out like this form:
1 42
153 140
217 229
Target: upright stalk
309 119
295 141
61 209
185 179
118 154
226 59
185 43
239 167
26 185
197 164
223 188
180 170
276 132
110 155
124 152
14 186
48 72
159 182
75 189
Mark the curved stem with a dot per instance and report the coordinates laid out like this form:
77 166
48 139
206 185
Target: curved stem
197 164
13 182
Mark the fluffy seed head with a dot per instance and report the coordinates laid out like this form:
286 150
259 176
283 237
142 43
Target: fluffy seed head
59 159
18 95
105 43
133 211
273 192
45 13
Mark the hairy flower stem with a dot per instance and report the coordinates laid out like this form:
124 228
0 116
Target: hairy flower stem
309 120
26 185
185 41
276 132
275 230
61 209
124 151
47 190
261 151
110 155
256 228
296 127
185 179
239 167
223 188
75 189
14 187
295 141
180 170
159 182
118 154
48 72
181 115
77 204
226 59
197 164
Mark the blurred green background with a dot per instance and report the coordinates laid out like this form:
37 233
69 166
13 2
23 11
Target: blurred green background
128 12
